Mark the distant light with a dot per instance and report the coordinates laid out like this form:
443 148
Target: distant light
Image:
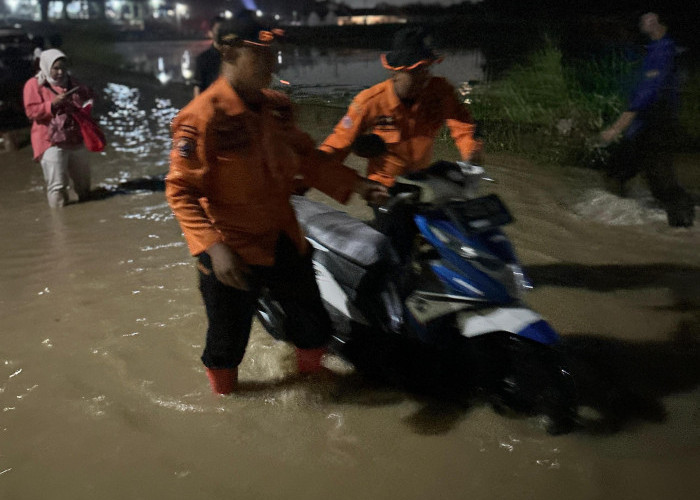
228 14
163 76
277 17
259 13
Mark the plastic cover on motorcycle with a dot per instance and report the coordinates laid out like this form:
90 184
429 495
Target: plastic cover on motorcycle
341 233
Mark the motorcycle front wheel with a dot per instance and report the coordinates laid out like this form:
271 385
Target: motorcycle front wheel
526 377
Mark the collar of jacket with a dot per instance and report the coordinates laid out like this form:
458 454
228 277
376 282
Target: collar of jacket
226 99
229 102
394 101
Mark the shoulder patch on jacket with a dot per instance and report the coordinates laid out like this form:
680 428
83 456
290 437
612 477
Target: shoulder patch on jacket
185 146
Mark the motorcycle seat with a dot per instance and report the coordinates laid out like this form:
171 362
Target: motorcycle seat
344 235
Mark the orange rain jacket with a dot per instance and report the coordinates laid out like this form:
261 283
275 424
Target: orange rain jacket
232 171
408 132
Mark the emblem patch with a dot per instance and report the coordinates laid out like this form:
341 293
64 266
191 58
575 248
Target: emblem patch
346 122
185 147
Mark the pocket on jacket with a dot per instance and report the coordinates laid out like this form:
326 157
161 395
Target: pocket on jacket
233 180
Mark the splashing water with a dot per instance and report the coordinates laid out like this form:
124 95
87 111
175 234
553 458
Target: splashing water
605 207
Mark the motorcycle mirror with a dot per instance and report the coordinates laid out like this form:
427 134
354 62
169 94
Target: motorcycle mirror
368 146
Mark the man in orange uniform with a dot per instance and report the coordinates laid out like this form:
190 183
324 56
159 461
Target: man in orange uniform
236 154
406 111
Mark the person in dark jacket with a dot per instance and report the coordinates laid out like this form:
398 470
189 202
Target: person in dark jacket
208 63
648 128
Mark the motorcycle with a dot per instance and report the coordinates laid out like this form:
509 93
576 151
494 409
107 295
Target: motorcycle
433 289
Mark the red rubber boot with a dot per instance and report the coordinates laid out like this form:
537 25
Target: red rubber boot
309 360
222 381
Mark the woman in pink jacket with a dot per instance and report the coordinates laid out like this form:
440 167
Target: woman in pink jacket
57 142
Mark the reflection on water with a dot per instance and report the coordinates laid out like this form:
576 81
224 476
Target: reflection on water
167 57
309 70
163 76
133 128
187 66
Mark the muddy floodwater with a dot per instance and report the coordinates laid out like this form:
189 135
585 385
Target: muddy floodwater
103 396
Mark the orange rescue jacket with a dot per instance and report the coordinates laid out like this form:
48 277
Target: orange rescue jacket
409 132
232 171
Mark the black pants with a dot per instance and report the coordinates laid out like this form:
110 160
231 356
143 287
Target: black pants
650 152
291 282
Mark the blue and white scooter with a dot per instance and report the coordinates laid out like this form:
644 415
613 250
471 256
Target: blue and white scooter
434 279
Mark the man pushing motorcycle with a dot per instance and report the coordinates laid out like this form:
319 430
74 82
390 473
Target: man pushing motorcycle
407 111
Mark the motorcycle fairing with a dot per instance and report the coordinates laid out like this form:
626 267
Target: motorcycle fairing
334 294
342 234
519 321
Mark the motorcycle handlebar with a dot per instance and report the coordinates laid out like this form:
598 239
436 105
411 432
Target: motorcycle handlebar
396 200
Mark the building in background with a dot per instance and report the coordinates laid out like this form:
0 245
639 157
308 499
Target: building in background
127 14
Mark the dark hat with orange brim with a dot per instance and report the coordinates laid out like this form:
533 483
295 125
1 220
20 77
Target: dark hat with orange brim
409 50
244 29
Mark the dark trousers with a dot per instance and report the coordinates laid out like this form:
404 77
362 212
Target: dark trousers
650 152
291 282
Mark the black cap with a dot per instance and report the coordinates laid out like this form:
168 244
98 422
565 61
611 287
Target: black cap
409 49
243 28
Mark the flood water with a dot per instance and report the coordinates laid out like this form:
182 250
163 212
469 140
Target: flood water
308 70
102 394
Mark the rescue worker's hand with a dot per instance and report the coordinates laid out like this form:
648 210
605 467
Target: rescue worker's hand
371 191
228 267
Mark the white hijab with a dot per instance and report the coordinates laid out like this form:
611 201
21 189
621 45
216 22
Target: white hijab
46 60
